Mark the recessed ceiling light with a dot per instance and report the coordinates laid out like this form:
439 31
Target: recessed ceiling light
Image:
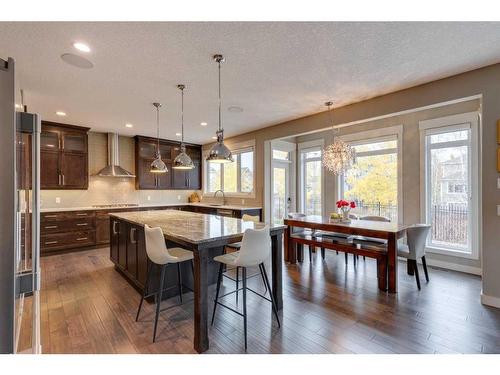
81 47
203 123
61 113
178 134
129 125
235 109
214 137
19 106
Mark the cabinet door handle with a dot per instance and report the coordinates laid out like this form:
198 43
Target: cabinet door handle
59 179
50 242
82 224
132 235
50 216
82 238
51 227
81 214
114 227
62 179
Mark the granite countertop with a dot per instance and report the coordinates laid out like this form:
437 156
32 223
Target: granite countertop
190 226
166 205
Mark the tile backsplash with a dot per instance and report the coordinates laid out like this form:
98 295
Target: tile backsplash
109 190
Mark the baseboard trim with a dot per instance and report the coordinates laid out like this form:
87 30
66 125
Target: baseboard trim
453 266
490 300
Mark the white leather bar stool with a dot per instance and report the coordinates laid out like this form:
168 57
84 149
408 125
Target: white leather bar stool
158 254
255 250
236 246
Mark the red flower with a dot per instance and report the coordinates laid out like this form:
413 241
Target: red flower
353 204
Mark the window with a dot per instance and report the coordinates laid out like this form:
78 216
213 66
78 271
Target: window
373 180
281 155
311 181
449 183
235 178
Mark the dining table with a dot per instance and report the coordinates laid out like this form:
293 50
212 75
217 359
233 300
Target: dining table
206 236
388 231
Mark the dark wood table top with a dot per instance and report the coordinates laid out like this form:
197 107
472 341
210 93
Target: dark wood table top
362 227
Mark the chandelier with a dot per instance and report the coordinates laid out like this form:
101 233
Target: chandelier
338 157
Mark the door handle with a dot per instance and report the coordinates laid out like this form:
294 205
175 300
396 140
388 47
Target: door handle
114 227
132 235
62 179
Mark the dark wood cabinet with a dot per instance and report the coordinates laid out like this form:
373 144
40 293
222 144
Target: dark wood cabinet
145 149
63 156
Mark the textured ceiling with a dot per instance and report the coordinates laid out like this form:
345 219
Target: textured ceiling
274 71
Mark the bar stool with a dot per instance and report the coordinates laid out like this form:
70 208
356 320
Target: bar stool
254 251
158 254
236 246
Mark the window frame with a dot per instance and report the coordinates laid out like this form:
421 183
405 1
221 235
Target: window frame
390 133
463 121
304 147
236 149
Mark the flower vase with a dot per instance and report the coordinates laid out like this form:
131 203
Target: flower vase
345 216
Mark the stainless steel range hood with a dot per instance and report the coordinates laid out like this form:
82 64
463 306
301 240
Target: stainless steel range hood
113 168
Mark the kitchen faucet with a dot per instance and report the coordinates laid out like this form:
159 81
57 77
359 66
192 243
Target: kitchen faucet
223 196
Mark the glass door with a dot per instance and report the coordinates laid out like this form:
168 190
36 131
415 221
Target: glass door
281 200
27 298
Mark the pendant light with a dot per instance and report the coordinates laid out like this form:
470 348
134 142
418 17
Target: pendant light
158 166
182 161
339 156
219 152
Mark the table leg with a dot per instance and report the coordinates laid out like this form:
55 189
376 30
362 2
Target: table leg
291 249
200 301
277 269
382 273
287 248
392 263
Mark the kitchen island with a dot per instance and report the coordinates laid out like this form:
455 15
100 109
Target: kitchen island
205 235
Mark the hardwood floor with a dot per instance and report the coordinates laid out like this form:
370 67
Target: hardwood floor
87 307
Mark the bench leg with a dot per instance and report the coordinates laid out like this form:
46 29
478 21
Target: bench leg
382 273
300 252
323 253
346 258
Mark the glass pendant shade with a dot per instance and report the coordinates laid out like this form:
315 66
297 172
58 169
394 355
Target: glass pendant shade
158 166
182 161
338 157
219 153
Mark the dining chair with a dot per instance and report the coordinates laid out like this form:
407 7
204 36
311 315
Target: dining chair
416 236
159 255
236 246
255 250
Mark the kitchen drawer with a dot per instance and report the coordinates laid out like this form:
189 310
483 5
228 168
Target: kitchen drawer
68 225
65 215
59 241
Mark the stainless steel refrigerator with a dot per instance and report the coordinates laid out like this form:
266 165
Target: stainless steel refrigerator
19 221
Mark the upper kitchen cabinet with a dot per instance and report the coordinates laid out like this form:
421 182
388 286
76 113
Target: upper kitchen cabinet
63 156
145 150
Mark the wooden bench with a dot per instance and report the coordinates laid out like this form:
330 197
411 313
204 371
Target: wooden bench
344 245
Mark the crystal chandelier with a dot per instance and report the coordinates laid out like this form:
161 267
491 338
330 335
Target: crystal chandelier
338 157
182 161
158 165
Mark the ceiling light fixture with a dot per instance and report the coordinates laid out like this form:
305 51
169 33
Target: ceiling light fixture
203 123
219 153
81 47
339 156
182 161
61 113
129 125
158 166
